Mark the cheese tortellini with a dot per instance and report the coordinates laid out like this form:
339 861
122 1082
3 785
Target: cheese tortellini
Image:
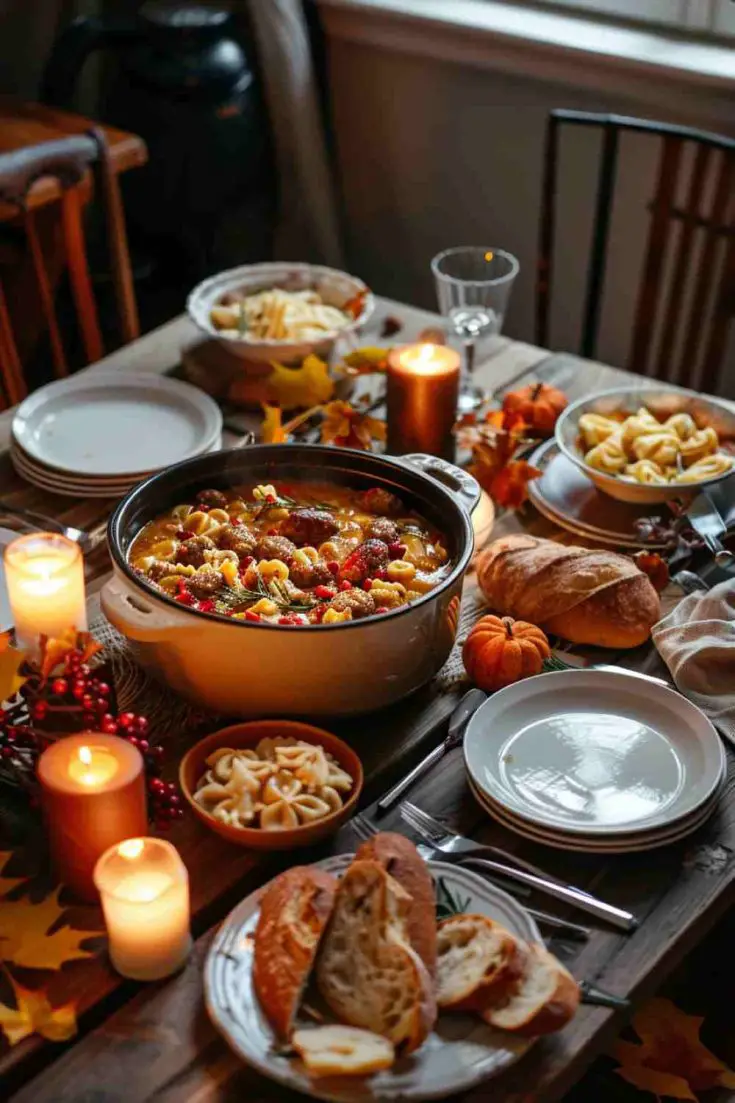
280 784
643 449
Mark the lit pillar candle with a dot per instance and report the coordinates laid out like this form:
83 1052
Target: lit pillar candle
144 889
422 389
93 795
45 578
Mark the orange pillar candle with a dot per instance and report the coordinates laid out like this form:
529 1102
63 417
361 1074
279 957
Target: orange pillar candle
422 394
144 889
93 796
45 578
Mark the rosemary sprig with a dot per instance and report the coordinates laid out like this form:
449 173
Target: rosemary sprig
233 596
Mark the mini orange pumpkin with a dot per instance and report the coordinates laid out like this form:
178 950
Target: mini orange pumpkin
500 650
539 404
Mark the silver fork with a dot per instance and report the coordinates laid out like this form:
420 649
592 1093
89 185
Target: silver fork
448 842
365 830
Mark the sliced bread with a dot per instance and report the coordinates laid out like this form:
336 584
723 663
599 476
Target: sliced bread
478 962
545 999
399 857
367 971
294 913
342 1051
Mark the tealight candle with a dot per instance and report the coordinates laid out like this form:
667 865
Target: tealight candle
483 519
45 579
422 390
144 889
93 795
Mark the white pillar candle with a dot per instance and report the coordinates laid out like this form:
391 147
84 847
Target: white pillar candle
144 888
45 578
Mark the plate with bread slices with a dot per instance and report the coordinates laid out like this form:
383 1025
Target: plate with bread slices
379 976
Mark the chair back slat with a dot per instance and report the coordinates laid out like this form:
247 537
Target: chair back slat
45 294
117 241
600 238
11 368
707 269
690 218
676 333
653 265
81 284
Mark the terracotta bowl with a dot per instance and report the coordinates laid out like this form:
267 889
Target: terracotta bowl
241 736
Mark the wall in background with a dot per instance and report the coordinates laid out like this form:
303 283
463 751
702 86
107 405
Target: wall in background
433 153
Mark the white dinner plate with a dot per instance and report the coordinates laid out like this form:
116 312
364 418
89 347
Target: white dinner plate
593 753
595 845
460 1052
112 423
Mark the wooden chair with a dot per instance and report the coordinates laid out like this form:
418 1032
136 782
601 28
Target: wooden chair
67 161
708 211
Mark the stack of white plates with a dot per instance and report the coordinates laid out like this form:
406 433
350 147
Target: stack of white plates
99 433
594 761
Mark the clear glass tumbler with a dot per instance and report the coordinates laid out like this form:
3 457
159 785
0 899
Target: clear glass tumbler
473 285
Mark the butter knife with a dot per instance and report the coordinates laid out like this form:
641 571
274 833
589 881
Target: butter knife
458 721
707 523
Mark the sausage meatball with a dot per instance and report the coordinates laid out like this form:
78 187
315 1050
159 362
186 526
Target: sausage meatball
365 561
236 538
359 602
158 570
275 547
211 499
191 552
205 583
377 500
309 526
306 575
383 529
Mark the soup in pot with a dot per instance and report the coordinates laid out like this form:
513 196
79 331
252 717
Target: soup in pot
292 555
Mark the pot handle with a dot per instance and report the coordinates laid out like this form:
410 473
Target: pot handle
132 615
464 485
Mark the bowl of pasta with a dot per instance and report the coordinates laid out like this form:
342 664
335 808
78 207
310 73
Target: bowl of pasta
279 311
272 784
649 444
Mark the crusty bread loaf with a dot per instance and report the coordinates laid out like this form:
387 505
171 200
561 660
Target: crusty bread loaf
479 962
367 971
544 1000
399 857
294 913
342 1051
594 597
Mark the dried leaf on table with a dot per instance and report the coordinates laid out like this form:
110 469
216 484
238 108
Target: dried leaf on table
24 937
33 1014
391 326
294 388
350 428
509 488
671 1061
365 361
494 443
10 660
271 430
7 884
55 650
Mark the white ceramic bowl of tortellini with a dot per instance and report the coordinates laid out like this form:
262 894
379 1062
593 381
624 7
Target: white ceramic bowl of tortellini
649 444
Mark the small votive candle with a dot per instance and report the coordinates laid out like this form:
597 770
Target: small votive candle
144 889
422 390
45 579
93 795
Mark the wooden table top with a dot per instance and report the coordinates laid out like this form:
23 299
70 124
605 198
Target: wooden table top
25 124
137 1044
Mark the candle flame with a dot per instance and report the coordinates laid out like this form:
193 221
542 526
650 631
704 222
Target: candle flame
488 256
131 848
85 756
425 353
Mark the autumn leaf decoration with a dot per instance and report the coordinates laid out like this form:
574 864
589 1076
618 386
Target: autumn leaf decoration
494 442
671 1062
34 936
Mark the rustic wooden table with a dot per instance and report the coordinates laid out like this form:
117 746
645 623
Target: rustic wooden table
156 1043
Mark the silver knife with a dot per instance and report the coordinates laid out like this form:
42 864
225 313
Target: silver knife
458 721
707 523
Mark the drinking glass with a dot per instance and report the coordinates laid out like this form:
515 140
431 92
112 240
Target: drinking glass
473 285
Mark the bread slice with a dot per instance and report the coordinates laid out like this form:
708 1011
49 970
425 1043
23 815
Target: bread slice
342 1051
545 999
398 857
479 962
294 913
367 971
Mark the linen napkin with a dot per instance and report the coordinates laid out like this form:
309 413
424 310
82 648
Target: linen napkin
697 643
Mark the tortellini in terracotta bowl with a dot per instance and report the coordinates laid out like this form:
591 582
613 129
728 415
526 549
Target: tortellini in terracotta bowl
289 787
642 446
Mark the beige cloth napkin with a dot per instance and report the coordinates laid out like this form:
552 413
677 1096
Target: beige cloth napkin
697 643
